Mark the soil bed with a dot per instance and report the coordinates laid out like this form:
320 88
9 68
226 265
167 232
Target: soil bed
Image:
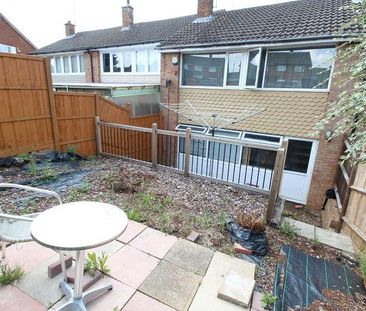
163 200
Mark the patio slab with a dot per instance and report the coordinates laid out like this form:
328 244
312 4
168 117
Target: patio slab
13 299
221 265
190 256
171 285
115 298
154 242
28 255
133 229
131 266
108 249
37 284
141 302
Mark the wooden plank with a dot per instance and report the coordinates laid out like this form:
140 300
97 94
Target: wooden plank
354 228
52 104
98 136
21 119
187 151
359 189
345 174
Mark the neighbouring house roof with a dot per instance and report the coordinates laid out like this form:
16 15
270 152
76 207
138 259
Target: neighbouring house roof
290 21
139 33
2 17
286 113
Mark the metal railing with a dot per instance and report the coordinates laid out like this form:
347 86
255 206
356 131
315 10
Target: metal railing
247 164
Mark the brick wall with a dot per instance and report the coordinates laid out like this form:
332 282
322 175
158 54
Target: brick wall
9 36
169 93
89 59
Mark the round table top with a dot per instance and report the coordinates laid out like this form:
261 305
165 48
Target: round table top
79 225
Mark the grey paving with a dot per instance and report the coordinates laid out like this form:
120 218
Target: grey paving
327 237
171 285
190 256
37 284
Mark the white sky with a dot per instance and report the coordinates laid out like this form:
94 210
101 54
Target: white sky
42 21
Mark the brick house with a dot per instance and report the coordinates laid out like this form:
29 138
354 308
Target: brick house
279 58
12 40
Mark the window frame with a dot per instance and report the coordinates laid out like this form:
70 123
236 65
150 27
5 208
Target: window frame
255 86
68 56
326 90
242 70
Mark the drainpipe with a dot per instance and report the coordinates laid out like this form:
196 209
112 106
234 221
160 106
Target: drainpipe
91 65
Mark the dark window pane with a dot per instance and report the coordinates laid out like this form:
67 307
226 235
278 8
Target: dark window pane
253 64
106 63
262 137
224 152
127 62
298 155
304 69
203 70
116 63
198 147
233 69
259 157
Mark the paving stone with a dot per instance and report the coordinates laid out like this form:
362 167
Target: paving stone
303 229
133 229
131 266
108 249
220 266
190 256
333 239
13 299
154 242
141 302
237 289
257 301
171 285
115 298
38 285
193 236
28 255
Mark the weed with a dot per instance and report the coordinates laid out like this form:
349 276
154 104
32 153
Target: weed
221 220
71 149
32 167
134 214
95 263
315 241
205 220
147 200
227 249
268 300
84 187
164 223
48 174
9 275
363 263
26 157
168 201
287 229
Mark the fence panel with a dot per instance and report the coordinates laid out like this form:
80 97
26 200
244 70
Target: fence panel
25 121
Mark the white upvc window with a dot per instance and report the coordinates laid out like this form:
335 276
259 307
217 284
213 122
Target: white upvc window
67 64
4 48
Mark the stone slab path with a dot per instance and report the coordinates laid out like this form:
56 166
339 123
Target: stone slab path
330 238
149 270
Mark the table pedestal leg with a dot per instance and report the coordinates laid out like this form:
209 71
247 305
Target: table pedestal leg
76 299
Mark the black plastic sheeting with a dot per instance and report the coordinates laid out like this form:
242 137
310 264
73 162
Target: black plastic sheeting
304 277
255 241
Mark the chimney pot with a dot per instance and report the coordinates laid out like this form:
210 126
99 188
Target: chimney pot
205 8
69 29
127 15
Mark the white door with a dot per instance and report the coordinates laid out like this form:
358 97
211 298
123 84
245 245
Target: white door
298 170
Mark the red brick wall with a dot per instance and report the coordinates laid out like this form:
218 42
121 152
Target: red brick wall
89 59
10 36
169 93
327 159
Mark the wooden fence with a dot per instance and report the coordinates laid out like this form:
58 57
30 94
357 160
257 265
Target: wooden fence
33 117
354 218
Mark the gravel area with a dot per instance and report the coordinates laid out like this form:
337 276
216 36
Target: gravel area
164 200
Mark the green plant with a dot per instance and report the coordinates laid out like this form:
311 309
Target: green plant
221 220
48 173
287 229
164 222
26 157
134 214
95 263
147 200
315 241
268 300
363 263
168 201
9 275
32 167
71 149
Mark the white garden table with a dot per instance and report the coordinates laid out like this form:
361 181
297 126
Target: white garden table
79 226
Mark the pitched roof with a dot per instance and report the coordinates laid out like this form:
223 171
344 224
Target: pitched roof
17 30
139 33
290 21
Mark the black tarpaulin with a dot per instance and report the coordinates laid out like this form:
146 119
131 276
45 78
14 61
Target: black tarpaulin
302 278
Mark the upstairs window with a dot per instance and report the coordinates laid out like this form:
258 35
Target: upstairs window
253 68
304 69
234 64
203 70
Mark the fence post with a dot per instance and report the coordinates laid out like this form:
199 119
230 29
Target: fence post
154 145
51 98
98 136
276 182
187 151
